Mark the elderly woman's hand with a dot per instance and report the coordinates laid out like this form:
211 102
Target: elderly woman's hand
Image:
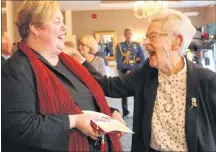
116 115
76 54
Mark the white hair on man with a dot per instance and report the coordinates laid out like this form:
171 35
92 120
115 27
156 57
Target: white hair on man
175 22
90 42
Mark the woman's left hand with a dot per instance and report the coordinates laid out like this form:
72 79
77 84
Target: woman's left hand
116 115
76 54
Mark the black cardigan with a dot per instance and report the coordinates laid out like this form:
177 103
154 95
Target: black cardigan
200 122
23 128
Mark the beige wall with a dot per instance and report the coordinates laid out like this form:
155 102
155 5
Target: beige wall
211 15
16 5
118 20
3 18
111 20
3 23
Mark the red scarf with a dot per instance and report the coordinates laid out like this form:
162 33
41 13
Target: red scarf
55 99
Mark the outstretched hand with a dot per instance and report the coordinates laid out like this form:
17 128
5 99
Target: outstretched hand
76 55
116 115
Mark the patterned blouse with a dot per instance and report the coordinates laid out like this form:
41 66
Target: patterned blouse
168 120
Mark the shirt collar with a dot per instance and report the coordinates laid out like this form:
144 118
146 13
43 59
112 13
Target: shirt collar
162 77
128 42
6 57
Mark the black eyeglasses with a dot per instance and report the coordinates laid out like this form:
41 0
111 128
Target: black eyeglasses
80 44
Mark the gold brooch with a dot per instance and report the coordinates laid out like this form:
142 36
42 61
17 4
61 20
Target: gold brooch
193 102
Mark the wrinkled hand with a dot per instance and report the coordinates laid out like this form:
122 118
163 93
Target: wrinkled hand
116 115
83 124
76 54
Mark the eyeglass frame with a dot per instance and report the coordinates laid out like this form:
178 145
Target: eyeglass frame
158 34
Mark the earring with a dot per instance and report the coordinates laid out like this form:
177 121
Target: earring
36 35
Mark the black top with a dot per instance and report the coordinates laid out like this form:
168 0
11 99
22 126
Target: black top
200 121
2 60
23 127
77 89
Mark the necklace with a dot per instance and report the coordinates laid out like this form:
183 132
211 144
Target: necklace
92 59
169 106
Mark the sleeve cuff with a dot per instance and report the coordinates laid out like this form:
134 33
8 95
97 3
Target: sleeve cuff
113 109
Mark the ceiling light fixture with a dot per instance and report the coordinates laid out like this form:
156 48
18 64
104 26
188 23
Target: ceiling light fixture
192 13
143 9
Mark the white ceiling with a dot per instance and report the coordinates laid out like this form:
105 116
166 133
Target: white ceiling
97 5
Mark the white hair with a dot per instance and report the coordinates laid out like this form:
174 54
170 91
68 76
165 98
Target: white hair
175 22
90 41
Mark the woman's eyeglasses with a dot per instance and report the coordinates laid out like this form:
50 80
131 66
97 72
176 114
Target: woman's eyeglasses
153 36
80 44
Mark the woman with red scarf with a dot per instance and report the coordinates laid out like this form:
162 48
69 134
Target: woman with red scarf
44 90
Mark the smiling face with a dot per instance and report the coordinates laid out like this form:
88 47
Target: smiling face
159 45
83 49
52 34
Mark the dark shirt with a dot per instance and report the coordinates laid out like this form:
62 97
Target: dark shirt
77 89
2 60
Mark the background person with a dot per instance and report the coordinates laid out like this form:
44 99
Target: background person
129 57
88 47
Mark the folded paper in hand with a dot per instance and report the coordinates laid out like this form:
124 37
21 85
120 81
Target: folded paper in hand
106 123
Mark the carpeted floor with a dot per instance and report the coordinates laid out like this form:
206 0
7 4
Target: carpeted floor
126 139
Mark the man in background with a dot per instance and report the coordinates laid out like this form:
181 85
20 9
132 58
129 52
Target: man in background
110 47
6 49
129 57
196 49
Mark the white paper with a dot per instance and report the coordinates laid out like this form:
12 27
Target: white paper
108 124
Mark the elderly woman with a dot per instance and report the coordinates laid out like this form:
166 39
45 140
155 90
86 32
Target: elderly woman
88 47
175 99
44 90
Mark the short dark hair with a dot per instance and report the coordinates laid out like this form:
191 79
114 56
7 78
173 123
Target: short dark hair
194 47
127 30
